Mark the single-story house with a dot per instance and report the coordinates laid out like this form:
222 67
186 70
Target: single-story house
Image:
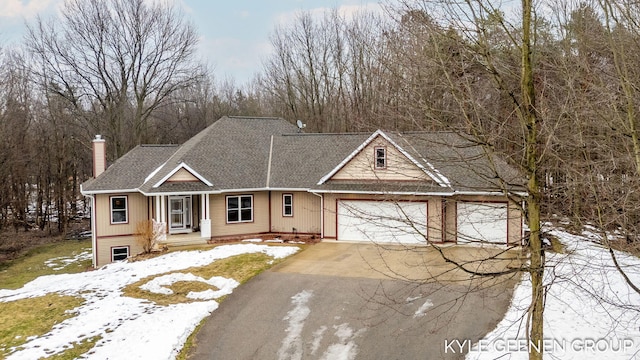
248 177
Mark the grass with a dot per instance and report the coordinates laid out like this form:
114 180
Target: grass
15 273
556 245
240 268
29 317
33 317
79 348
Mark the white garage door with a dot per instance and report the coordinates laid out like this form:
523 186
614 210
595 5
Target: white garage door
485 222
382 221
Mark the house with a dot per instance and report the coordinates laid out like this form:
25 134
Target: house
245 177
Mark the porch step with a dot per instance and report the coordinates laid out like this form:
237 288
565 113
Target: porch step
192 240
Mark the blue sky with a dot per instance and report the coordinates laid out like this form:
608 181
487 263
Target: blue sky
234 33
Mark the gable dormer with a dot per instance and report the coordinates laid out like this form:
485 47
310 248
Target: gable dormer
380 158
183 173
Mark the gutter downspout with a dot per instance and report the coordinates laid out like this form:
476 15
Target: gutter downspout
269 180
94 236
321 213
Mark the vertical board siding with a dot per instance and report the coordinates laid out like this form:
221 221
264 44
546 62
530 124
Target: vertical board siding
398 166
137 210
218 209
306 213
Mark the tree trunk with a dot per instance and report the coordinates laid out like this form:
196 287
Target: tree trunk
530 117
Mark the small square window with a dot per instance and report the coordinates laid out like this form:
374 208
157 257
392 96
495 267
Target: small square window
381 158
287 204
119 210
119 253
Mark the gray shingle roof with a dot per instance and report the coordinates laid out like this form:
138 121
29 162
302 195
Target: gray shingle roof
130 171
467 164
233 153
300 160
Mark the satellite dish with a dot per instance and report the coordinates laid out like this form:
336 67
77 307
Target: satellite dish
300 124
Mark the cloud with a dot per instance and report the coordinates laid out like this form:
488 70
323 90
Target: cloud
347 11
25 8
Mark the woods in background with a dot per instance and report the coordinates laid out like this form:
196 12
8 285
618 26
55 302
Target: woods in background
127 69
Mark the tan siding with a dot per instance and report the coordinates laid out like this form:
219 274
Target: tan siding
451 223
515 224
105 245
137 210
434 221
182 175
433 203
260 224
306 213
362 166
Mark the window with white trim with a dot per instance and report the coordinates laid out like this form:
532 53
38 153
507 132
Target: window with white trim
381 157
287 204
239 208
119 253
119 213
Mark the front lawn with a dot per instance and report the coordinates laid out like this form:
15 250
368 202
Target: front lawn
121 310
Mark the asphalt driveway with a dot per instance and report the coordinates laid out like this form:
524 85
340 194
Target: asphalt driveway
353 301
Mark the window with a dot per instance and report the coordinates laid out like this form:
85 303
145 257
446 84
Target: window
381 158
119 253
287 204
239 208
118 209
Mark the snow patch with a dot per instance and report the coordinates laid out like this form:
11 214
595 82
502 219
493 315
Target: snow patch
423 309
346 348
587 300
291 347
61 262
130 328
159 285
317 338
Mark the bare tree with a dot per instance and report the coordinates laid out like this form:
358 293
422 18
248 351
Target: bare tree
115 62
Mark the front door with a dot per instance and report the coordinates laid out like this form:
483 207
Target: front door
180 213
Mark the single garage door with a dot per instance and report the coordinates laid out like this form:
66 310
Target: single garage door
382 221
485 222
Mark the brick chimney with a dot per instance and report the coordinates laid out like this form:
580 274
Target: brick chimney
99 156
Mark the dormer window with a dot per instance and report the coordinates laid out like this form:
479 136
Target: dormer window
381 157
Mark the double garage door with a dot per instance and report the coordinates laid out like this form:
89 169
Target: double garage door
382 221
406 222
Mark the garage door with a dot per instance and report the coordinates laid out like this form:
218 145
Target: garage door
482 222
382 221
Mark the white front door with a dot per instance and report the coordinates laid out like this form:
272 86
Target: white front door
179 213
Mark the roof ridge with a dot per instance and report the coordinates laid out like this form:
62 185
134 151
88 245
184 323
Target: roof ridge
325 134
254 117
159 145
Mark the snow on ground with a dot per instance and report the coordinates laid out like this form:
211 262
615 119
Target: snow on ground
590 312
292 347
61 262
131 328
